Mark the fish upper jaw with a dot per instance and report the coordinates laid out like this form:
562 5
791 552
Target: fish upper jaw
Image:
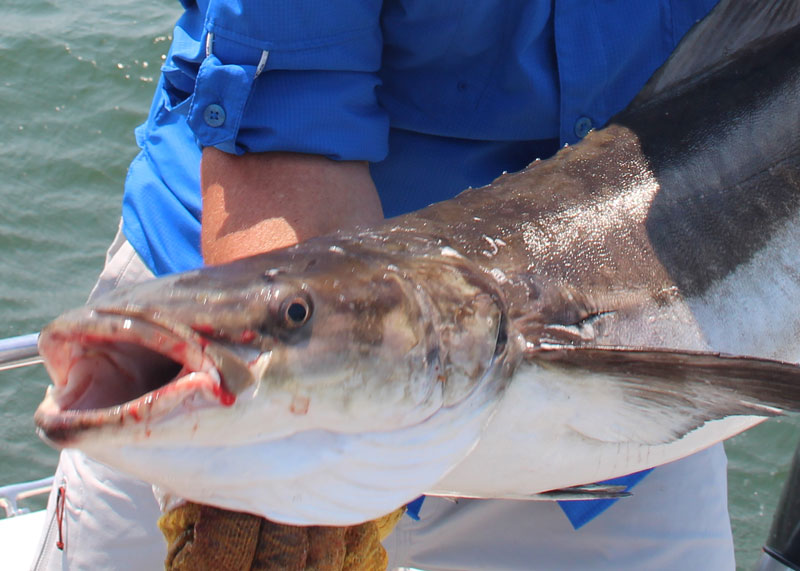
114 372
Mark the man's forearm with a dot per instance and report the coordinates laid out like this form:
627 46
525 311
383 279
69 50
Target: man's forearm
263 201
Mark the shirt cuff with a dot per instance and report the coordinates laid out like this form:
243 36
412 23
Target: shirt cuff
287 76
330 113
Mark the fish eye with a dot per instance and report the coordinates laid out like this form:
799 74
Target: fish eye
296 311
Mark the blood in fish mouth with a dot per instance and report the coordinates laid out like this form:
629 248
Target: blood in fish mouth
124 369
114 373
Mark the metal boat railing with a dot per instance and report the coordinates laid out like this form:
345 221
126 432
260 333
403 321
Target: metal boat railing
11 495
19 351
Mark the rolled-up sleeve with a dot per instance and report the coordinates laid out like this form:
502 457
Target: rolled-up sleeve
291 75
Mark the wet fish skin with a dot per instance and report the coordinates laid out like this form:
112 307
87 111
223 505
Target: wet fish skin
403 347
561 326
403 329
702 228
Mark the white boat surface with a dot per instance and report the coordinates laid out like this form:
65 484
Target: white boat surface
20 529
19 536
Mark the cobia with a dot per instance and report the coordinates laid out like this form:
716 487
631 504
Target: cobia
561 326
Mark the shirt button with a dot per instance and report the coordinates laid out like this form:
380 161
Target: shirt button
582 127
214 115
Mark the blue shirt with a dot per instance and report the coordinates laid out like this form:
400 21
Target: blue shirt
438 95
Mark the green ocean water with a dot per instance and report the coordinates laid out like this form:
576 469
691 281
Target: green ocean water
75 79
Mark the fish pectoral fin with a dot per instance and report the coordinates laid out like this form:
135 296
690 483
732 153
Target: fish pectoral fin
586 492
598 491
654 396
559 314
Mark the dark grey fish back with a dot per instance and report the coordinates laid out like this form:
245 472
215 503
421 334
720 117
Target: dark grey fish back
726 155
708 155
732 26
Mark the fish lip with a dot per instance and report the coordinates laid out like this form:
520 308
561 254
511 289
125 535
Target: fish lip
66 343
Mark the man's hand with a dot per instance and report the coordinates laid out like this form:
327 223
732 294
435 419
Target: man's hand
263 201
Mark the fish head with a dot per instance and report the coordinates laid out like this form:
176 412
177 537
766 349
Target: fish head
323 337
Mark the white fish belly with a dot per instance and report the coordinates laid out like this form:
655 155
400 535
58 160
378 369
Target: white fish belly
552 432
314 477
753 311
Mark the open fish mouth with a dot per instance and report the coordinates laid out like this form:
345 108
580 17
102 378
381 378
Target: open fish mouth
110 370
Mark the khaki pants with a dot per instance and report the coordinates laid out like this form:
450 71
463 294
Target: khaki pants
109 519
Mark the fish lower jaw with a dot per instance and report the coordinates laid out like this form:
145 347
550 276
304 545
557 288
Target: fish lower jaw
122 374
311 477
64 427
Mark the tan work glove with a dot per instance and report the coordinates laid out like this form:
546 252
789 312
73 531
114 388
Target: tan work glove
203 538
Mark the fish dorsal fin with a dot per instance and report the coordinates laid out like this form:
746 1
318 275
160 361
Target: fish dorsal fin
653 396
731 27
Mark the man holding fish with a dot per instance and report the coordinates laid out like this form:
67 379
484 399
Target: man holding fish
289 122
